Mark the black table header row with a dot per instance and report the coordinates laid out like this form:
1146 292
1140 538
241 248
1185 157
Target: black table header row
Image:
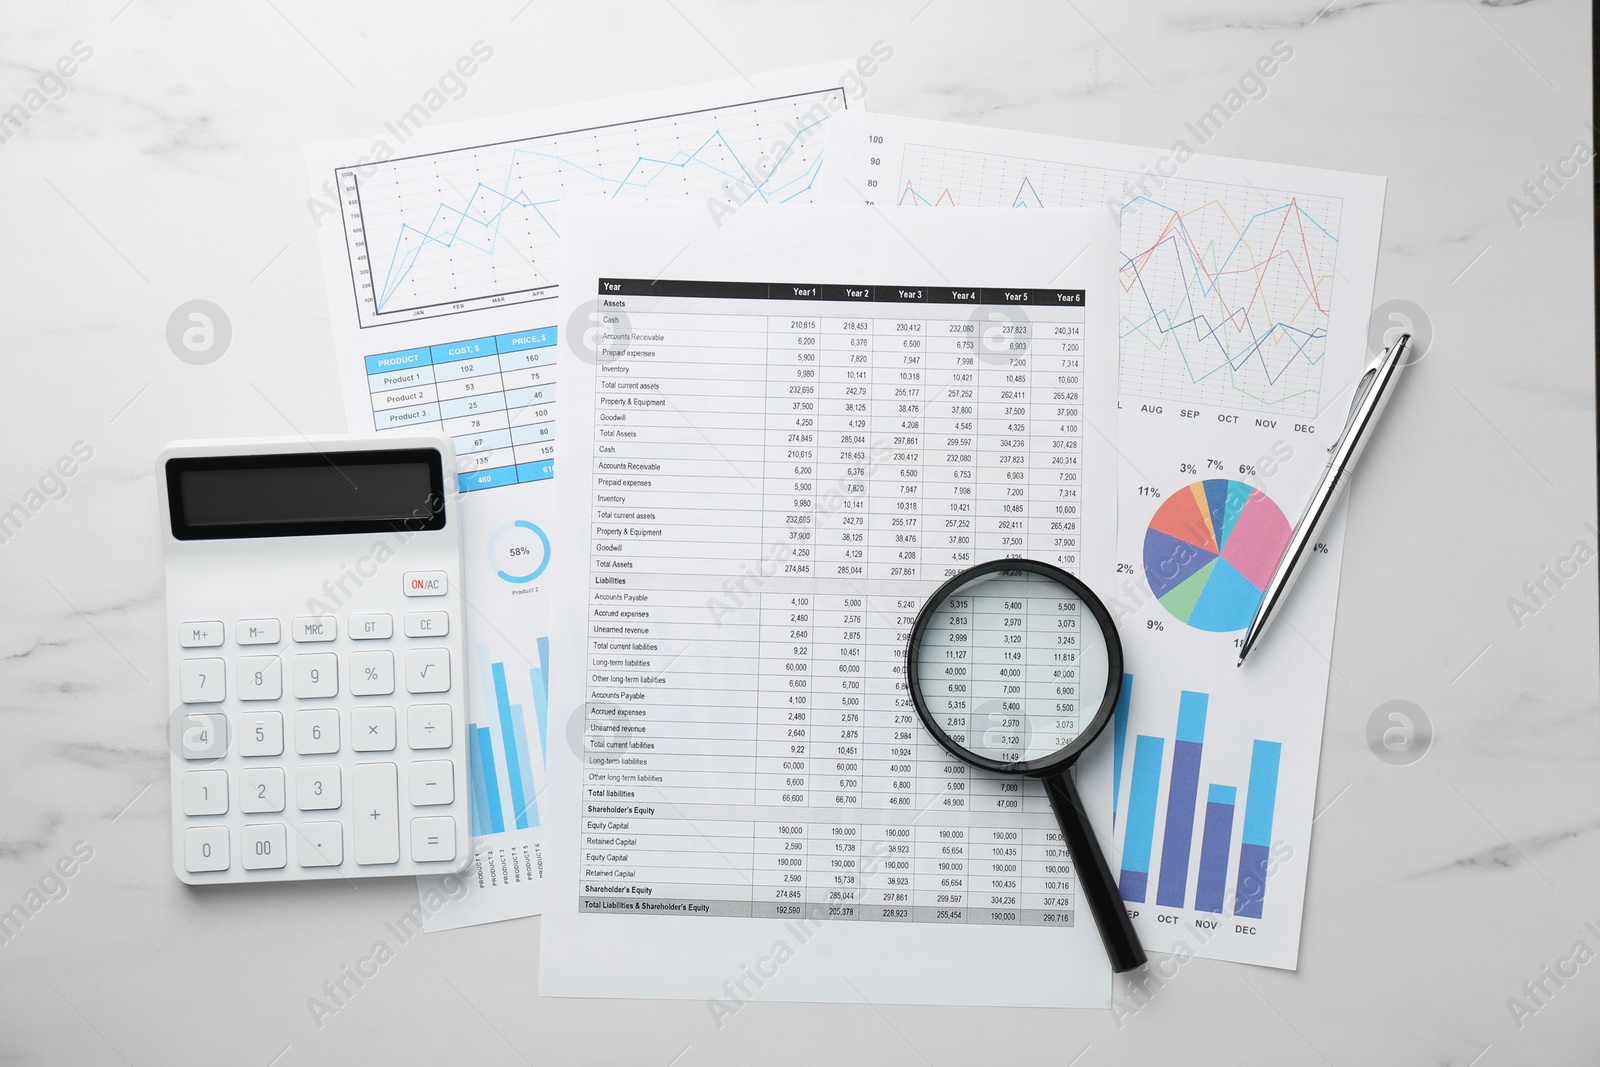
883 294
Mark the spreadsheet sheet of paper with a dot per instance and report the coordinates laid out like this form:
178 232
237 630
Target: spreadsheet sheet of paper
1245 293
788 430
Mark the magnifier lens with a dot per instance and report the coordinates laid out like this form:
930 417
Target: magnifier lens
1012 666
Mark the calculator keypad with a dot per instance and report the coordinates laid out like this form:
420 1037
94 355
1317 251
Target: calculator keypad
321 844
205 848
371 673
203 736
260 678
316 676
323 776
260 733
372 729
261 789
314 628
200 681
375 796
371 627
256 631
199 634
427 624
205 792
316 733
428 670
264 846
317 788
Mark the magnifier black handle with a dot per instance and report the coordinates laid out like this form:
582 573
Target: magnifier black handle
1094 875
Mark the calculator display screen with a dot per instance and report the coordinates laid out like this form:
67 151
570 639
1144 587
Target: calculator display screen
305 494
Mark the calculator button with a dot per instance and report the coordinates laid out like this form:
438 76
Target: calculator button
314 628
371 627
316 675
428 670
321 844
316 732
205 848
200 681
428 726
427 624
264 847
317 788
260 733
260 677
260 789
375 804
426 583
206 792
371 673
256 631
200 634
204 736
431 782
433 839
372 729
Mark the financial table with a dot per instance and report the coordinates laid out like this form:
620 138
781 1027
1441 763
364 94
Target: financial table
781 474
494 396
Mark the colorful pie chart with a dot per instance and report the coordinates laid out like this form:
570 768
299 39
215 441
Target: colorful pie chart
1210 550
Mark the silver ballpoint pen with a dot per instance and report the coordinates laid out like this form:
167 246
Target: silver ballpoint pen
1372 394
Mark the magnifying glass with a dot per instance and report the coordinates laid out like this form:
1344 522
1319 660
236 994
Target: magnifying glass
1015 667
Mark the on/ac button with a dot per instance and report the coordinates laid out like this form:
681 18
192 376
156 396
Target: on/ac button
426 583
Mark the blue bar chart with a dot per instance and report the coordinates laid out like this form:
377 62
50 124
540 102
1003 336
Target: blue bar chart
504 785
1177 807
1142 797
1181 792
1119 739
1257 828
1214 847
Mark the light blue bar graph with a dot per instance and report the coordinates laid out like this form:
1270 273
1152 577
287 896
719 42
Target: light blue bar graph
1119 742
1142 793
486 784
1256 841
514 744
479 811
540 677
500 750
1172 888
1212 883
528 814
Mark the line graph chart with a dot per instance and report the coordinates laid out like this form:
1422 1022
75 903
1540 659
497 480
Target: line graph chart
475 227
1226 288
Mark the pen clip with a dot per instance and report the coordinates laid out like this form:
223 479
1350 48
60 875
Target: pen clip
1369 378
1363 387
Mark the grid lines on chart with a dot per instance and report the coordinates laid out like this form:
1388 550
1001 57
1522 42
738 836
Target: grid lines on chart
1226 288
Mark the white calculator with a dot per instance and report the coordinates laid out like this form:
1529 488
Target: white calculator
314 658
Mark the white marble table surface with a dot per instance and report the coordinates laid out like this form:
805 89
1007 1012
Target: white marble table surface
171 169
